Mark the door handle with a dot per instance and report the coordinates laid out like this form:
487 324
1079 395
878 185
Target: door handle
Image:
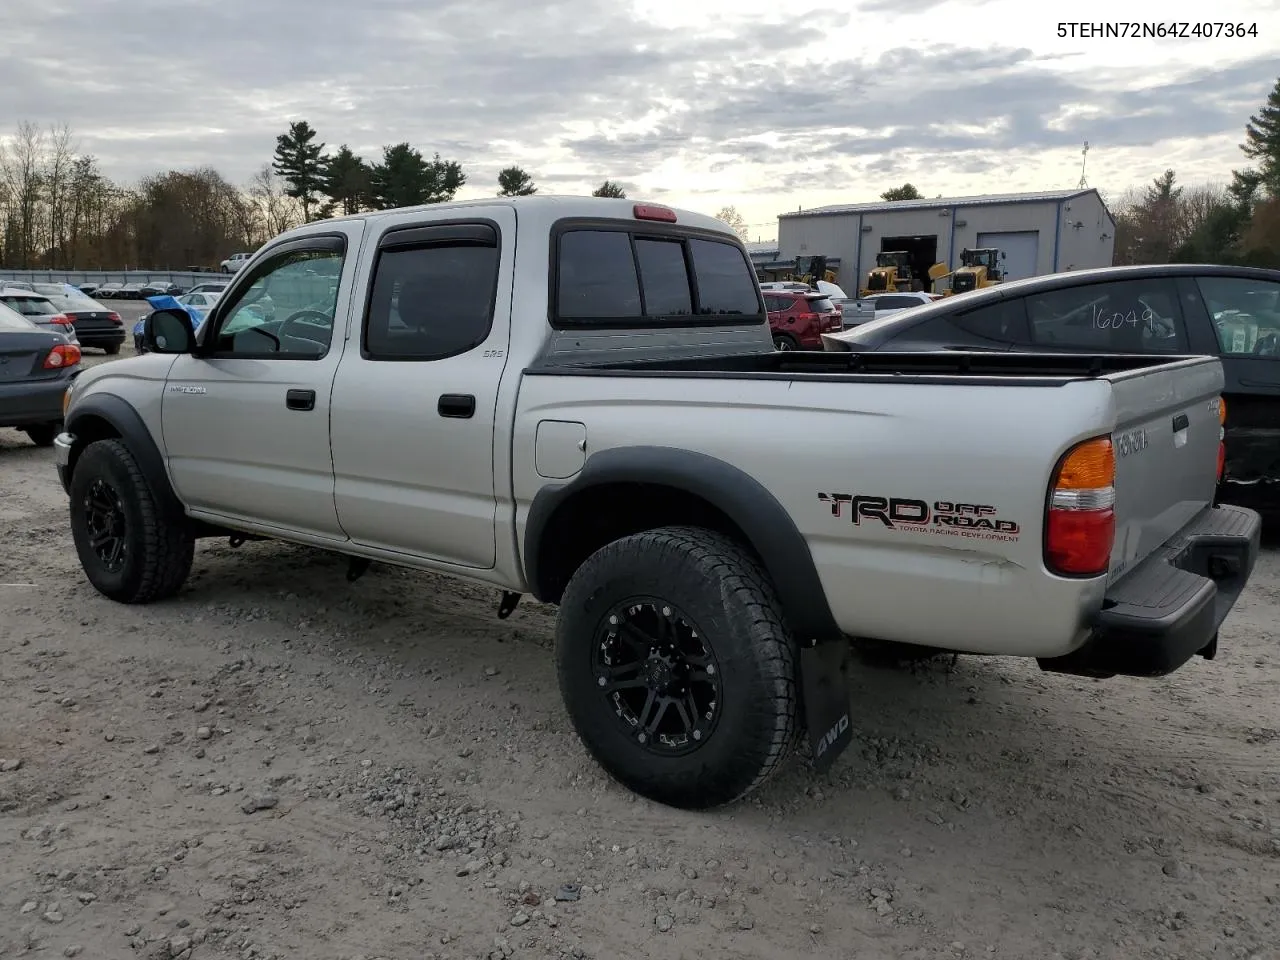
300 399
459 405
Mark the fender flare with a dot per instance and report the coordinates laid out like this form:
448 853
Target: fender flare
769 529
133 431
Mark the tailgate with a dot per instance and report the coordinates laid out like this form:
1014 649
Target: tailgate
1166 451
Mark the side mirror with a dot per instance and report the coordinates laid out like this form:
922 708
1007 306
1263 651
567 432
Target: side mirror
168 331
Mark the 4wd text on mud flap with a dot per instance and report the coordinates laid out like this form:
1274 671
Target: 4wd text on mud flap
905 513
832 735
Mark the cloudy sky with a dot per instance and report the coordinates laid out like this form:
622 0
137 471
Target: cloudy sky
700 103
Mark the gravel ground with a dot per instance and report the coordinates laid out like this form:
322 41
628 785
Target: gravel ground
277 763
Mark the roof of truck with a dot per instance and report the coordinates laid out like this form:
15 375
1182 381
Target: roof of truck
560 205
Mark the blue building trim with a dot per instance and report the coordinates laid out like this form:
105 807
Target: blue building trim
951 245
857 257
1057 232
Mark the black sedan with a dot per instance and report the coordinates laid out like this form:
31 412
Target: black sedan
36 368
1232 313
95 325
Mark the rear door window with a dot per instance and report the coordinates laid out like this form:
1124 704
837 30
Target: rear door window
1127 316
1245 313
614 276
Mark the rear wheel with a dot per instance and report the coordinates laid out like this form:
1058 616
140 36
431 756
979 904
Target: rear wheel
676 668
111 349
784 341
42 434
132 549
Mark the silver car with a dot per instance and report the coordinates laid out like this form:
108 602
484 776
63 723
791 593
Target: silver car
40 310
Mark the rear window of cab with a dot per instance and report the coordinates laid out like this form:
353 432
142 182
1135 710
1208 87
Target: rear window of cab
638 277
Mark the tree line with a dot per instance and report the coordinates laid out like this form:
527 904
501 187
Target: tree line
58 210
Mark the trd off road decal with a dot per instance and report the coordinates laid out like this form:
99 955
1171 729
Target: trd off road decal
942 518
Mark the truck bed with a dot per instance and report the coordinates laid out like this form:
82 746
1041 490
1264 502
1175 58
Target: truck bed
1022 369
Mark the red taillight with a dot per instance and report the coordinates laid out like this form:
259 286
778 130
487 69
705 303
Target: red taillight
115 318
651 211
62 319
62 355
1081 525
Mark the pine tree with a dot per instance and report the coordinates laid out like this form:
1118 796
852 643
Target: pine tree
405 178
515 182
1262 142
346 181
609 189
300 163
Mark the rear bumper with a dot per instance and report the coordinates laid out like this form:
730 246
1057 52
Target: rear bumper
27 402
1170 606
100 336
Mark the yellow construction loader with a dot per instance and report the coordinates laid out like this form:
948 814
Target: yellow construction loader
893 272
979 267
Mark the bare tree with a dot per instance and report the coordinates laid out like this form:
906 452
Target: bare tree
275 210
57 164
20 170
735 220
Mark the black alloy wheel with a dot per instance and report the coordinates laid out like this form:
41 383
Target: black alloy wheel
659 676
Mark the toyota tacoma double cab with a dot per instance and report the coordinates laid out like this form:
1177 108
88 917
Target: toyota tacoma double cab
578 399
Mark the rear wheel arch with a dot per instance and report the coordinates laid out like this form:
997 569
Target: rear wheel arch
628 490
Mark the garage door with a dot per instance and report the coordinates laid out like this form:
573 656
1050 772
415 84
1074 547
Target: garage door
1021 251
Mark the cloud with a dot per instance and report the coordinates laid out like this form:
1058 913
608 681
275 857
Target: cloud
581 91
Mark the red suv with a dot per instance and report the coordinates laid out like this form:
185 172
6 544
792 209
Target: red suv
798 319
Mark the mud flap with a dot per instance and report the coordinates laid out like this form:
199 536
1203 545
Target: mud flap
824 690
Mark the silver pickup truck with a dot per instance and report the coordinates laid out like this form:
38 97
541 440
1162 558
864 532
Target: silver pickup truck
579 399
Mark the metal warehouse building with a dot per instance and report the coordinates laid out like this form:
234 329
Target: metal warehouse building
1038 233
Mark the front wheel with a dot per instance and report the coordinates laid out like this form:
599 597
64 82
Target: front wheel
676 668
132 549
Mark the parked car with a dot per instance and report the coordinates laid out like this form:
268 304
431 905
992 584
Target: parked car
798 318
712 516
235 262
215 286
859 310
17 285
36 367
109 290
89 288
1232 313
157 288
94 324
130 291
40 310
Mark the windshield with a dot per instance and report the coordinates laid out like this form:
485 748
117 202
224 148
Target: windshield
31 306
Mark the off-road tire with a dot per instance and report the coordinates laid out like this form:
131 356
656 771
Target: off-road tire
722 587
784 341
159 543
42 434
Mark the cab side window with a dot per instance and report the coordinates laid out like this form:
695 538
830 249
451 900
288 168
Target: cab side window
1128 316
286 312
1245 314
432 294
